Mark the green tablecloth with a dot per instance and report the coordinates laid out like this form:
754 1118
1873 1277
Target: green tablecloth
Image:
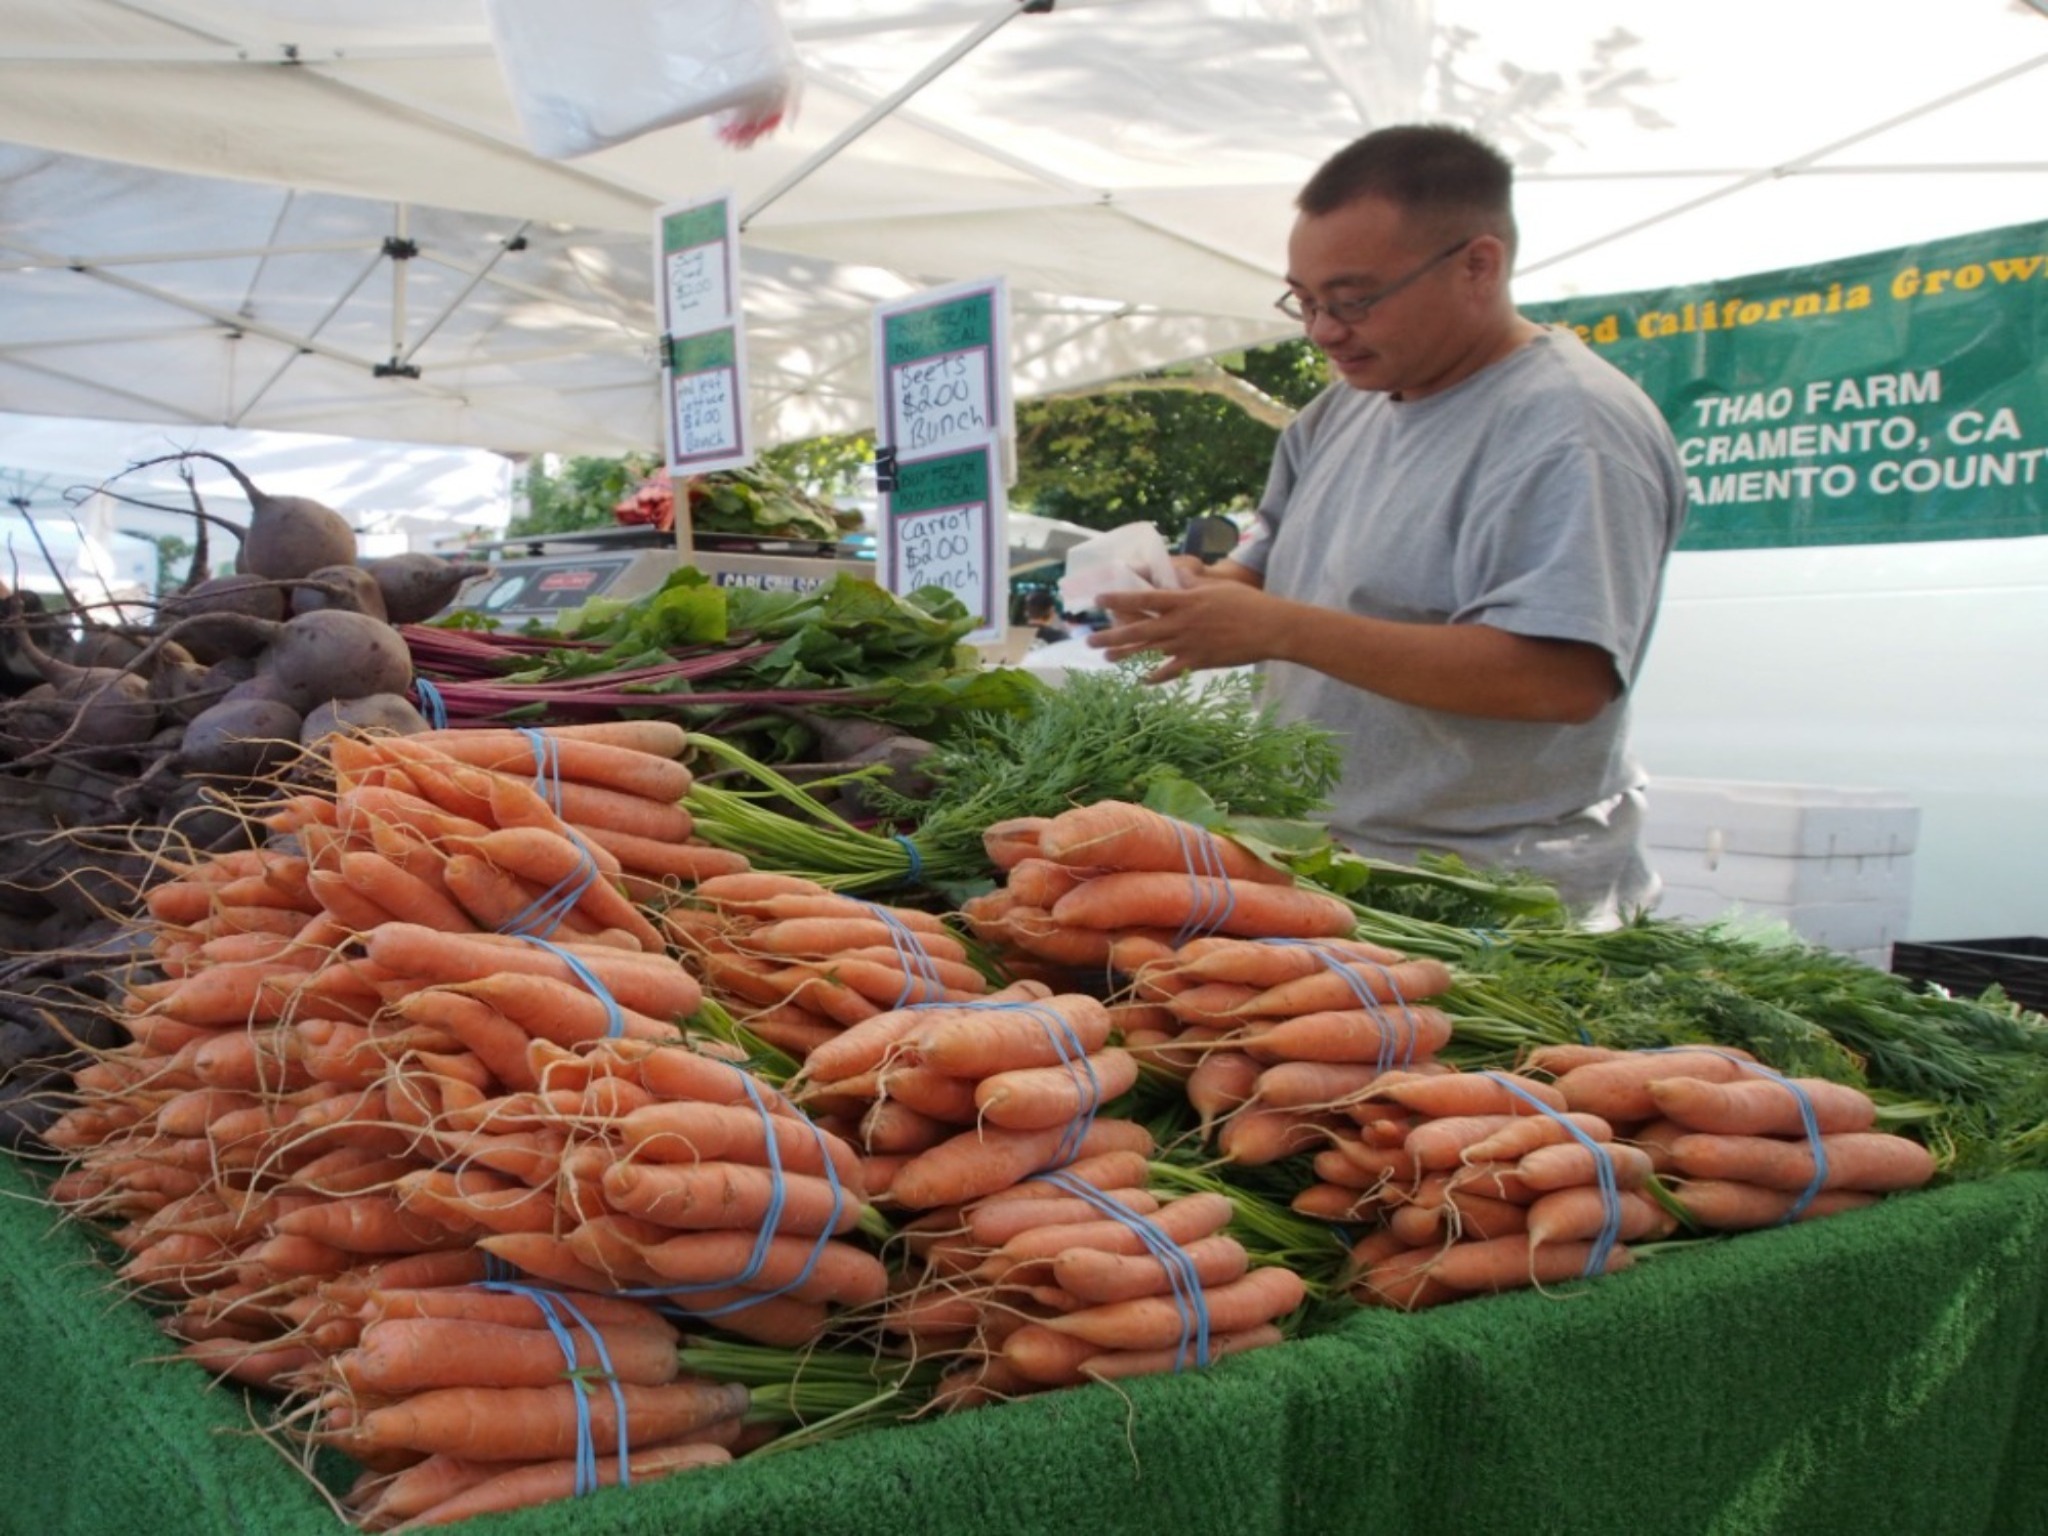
1877 1372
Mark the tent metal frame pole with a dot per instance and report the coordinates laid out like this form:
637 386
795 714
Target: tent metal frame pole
881 109
516 241
1793 167
242 411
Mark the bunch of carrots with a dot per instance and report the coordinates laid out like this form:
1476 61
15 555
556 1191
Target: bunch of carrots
956 1100
408 1052
462 1400
1740 1147
1277 1040
1489 1181
796 963
1083 1274
1076 883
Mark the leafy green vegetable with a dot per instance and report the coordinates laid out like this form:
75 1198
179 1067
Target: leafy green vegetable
1109 735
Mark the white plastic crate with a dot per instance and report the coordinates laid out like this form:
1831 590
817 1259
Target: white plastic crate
1835 865
1784 821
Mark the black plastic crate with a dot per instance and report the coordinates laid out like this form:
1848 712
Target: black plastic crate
1967 966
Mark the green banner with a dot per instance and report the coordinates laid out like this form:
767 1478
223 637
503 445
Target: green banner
952 480
702 225
1888 398
952 326
703 352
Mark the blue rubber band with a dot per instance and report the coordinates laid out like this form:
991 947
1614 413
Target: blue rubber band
432 705
586 1476
1603 1169
1808 1120
1347 965
615 1016
916 870
547 911
1203 861
547 765
918 965
1182 1282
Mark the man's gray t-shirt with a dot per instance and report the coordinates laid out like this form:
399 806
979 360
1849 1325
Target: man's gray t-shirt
1541 496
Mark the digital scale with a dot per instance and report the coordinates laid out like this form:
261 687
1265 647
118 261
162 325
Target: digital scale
544 575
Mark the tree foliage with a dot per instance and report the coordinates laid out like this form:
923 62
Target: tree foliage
1162 454
1162 449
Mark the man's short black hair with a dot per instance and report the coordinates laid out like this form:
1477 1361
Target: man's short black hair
1444 175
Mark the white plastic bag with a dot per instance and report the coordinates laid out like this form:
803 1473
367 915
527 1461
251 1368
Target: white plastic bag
596 73
1125 559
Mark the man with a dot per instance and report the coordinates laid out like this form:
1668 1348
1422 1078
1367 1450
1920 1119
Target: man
1043 615
1461 545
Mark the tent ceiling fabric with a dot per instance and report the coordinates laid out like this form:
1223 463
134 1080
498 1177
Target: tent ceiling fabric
196 195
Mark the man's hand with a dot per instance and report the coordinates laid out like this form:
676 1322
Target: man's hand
1217 622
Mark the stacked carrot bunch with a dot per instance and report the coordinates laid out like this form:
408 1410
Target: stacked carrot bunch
797 963
1076 883
460 1401
1083 1274
701 1186
955 1100
1279 1040
550 832
1741 1146
1482 1182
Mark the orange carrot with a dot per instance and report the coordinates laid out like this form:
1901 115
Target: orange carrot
977 1163
1159 1322
380 881
981 1039
1256 1136
398 1356
1097 1278
1119 1364
1526 1133
890 1127
1119 835
995 1219
1346 984
1198 902
1007 841
837 1273
372 1223
465 1199
1618 1090
1313 1084
1872 1161
542 1482
563 868
1221 1083
724 1195
669 859
1472 1093
1570 1163
631 770
1507 1263
1186 1220
648 983
561 1011
683 1132
1210 1002
536 1423
1391 1035
1039 1098
1763 1106
1581 1214
1724 1205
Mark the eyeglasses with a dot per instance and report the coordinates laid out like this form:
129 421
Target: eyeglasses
1353 311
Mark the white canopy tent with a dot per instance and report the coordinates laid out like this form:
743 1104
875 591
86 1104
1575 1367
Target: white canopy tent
320 215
